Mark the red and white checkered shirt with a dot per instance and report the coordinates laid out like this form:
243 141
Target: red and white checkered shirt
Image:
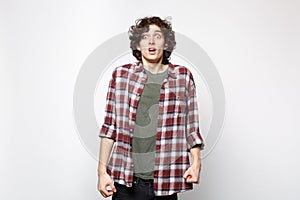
177 126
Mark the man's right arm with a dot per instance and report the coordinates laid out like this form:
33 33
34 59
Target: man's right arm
107 135
104 180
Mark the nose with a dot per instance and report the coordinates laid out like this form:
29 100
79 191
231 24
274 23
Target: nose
151 40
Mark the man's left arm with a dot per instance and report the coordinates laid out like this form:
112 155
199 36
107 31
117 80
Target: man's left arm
194 138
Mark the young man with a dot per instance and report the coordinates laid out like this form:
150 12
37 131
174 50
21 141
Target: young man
151 122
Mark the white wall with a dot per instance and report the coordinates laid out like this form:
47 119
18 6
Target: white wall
253 44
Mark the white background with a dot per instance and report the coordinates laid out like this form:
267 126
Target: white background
254 45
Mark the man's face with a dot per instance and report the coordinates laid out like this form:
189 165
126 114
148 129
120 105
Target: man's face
152 44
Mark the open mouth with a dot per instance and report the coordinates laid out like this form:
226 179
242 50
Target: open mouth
152 51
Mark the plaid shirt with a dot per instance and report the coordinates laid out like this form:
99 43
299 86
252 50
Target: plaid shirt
177 126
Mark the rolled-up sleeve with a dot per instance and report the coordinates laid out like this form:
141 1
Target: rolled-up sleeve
108 128
194 136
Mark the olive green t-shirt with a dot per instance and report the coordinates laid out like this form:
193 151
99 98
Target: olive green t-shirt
144 135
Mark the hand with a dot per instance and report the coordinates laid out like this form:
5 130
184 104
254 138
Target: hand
104 181
192 174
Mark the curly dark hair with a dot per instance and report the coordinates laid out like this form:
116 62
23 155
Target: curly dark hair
142 25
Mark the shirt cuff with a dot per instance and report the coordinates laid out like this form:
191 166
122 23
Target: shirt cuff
194 140
107 131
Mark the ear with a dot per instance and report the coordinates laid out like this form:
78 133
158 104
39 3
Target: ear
166 46
138 47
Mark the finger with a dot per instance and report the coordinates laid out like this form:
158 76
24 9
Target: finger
105 195
186 174
110 188
188 178
101 191
105 192
113 188
110 193
192 180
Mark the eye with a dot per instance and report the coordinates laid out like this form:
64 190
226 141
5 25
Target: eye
158 36
145 36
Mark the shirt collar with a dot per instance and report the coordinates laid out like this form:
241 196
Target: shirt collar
138 67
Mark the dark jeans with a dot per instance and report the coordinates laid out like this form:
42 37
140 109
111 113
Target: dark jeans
140 190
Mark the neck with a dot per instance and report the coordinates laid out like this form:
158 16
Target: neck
154 67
